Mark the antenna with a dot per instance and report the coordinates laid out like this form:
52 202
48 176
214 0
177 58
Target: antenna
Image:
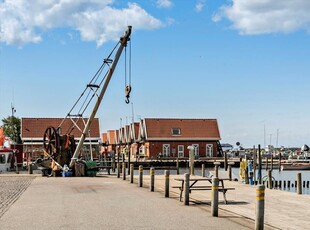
13 109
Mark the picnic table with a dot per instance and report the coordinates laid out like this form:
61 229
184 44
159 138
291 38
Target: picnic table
193 186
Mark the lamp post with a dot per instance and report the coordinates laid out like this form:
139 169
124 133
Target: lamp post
191 159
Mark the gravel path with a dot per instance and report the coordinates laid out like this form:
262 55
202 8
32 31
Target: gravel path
11 188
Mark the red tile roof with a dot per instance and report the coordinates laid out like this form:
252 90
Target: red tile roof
161 128
35 127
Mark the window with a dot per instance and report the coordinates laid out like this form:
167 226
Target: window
142 150
209 150
176 131
180 150
166 150
196 149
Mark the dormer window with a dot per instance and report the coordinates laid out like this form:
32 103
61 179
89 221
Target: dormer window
176 131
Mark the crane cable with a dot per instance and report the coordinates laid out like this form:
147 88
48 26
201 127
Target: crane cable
127 86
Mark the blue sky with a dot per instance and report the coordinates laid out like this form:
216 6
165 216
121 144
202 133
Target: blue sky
245 63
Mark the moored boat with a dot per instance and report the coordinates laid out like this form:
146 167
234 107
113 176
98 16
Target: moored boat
296 166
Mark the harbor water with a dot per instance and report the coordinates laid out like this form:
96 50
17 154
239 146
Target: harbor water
276 174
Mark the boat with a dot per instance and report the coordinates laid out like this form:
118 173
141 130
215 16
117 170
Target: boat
296 166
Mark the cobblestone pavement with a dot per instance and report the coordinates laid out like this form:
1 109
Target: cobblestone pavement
11 188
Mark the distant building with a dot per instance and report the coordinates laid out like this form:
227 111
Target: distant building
154 137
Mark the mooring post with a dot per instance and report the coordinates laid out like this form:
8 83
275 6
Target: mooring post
178 169
167 174
299 183
271 167
191 159
230 164
270 179
16 164
118 169
216 168
260 207
128 163
131 173
113 163
152 175
225 161
246 176
266 163
140 176
215 196
124 171
203 171
280 160
260 166
30 171
186 189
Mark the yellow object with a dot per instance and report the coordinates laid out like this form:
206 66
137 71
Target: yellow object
242 168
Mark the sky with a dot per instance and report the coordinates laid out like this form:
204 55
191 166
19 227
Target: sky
244 63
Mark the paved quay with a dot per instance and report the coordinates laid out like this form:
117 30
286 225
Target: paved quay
283 210
104 202
110 202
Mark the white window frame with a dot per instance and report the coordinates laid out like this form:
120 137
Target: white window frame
166 150
180 150
209 150
142 150
196 150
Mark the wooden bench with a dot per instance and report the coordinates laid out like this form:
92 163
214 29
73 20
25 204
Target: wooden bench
222 190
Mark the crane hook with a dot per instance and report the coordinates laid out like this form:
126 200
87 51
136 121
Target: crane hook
127 93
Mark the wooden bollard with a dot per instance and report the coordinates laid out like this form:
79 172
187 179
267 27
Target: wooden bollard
284 184
304 184
266 163
215 196
131 173
186 189
152 175
307 184
260 207
246 176
271 167
118 169
216 169
275 184
124 171
280 160
299 181
203 171
16 165
128 163
178 169
230 164
30 171
225 161
269 179
288 184
113 163
280 184
167 174
140 176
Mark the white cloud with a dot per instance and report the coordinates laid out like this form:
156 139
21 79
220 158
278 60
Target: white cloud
96 20
266 16
164 3
199 6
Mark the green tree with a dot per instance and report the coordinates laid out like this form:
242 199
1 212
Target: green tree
11 128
